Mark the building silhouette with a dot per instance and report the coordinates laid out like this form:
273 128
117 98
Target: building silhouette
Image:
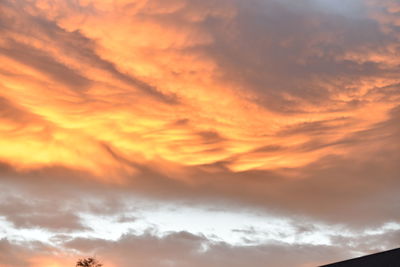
390 258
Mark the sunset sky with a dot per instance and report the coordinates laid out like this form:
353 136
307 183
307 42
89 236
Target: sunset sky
197 133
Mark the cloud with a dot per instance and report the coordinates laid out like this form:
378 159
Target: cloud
23 214
36 59
127 70
26 254
62 202
272 106
177 249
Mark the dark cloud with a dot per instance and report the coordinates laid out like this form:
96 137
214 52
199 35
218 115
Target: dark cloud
177 249
276 49
40 61
185 249
48 215
317 127
357 202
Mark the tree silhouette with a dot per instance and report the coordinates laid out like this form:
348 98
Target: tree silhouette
88 262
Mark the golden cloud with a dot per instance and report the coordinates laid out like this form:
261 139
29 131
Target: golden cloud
97 85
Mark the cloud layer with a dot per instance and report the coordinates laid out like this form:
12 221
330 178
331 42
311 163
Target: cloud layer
280 108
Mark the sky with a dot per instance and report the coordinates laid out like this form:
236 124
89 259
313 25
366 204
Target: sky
175 133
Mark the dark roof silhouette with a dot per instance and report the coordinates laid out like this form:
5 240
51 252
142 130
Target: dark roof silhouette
390 258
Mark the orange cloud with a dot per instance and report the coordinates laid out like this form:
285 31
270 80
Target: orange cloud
270 105
103 81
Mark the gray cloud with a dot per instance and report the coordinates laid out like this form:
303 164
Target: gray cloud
277 48
185 249
48 215
41 61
